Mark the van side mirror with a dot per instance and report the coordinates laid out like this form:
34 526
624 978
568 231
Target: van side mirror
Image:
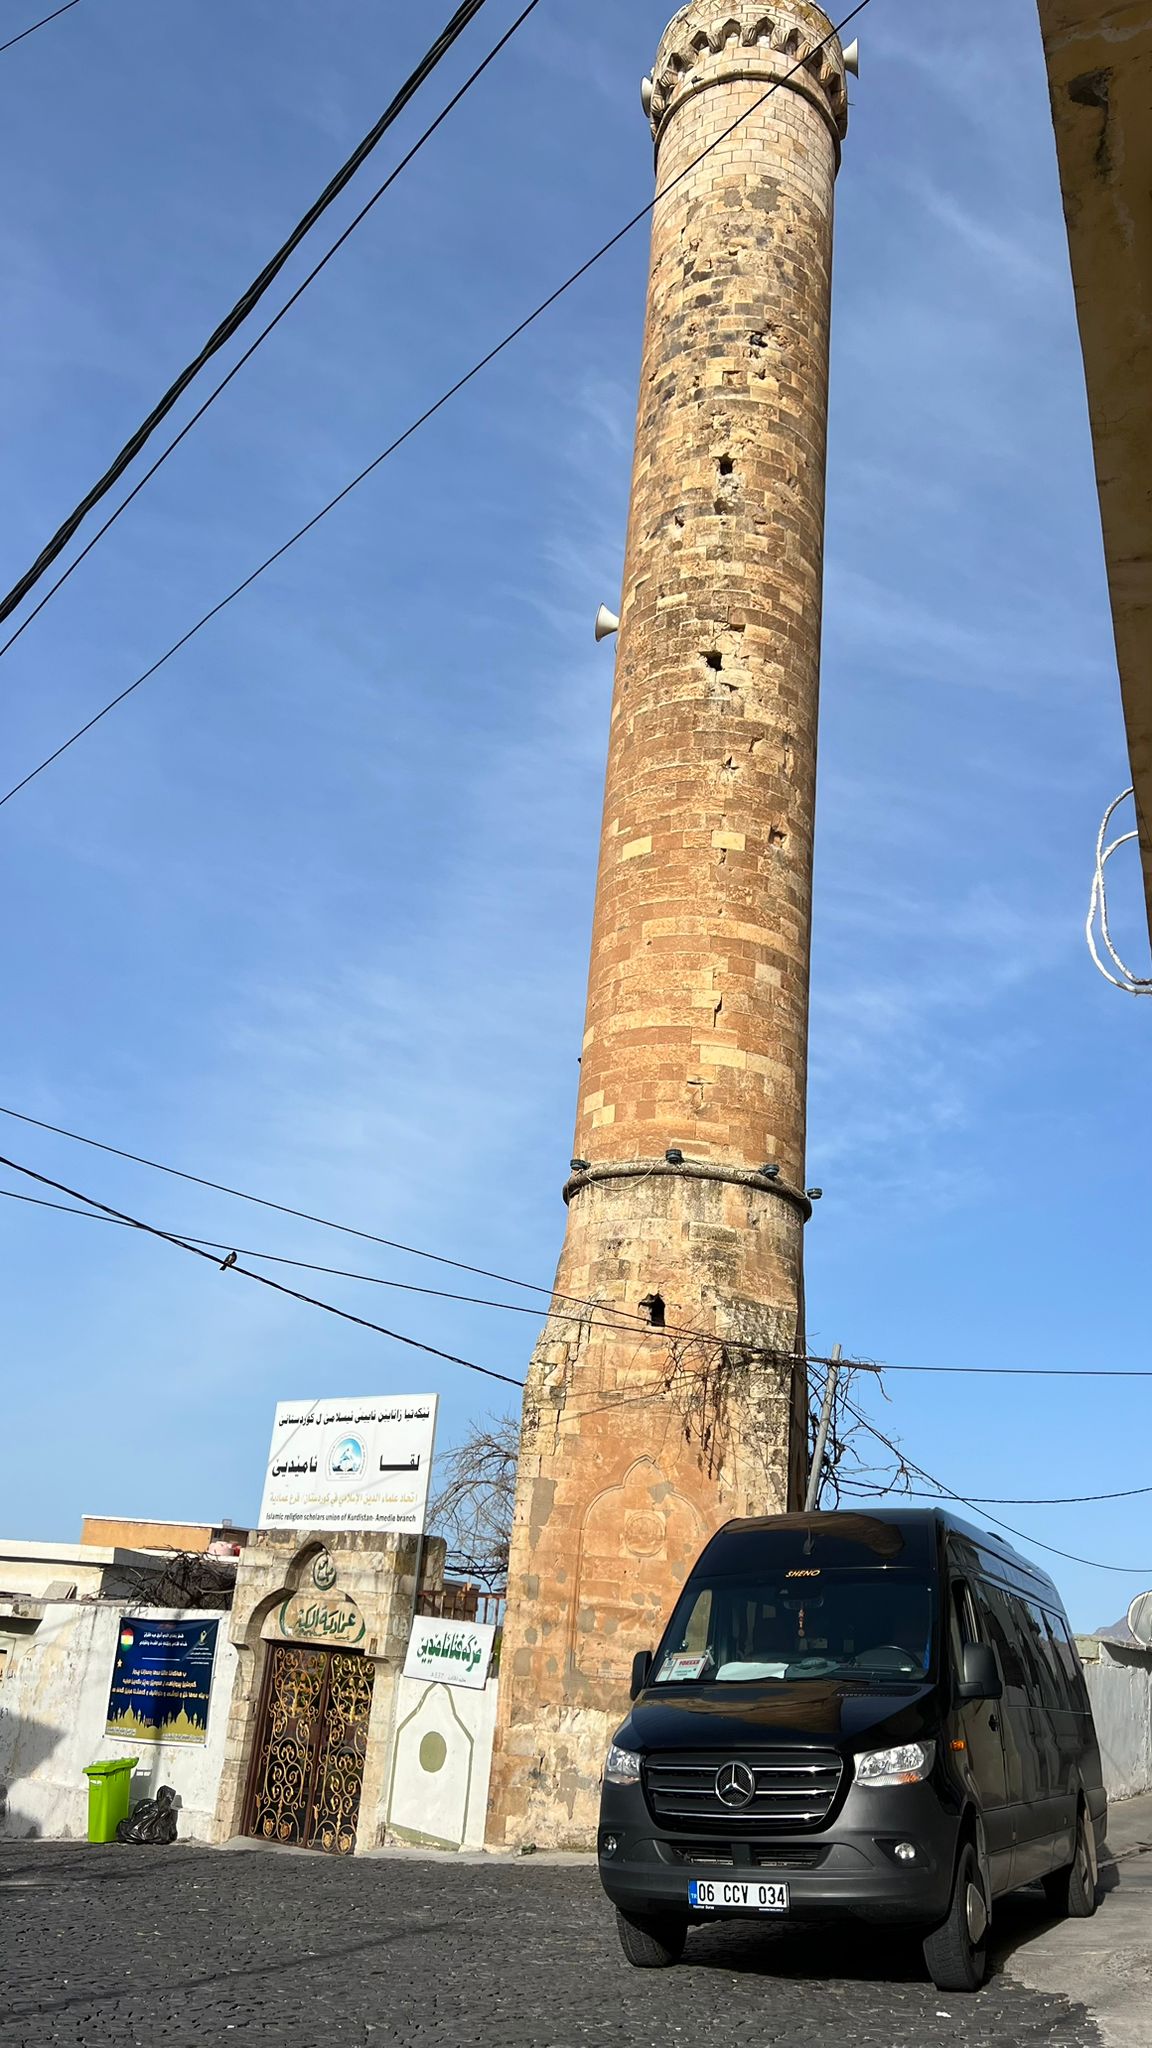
979 1673
641 1667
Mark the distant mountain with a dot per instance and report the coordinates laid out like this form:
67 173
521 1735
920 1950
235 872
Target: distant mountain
1117 1632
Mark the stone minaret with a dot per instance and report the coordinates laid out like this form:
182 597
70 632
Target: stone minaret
685 1205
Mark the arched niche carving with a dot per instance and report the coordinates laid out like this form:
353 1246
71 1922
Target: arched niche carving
636 1538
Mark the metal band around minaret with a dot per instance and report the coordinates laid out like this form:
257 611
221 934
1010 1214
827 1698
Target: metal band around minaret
690 1169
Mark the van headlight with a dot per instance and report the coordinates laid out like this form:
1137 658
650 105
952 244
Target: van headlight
622 1767
903 1766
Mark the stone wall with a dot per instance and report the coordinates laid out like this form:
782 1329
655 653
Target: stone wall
1120 1689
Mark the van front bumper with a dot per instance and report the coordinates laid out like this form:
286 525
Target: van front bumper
848 1869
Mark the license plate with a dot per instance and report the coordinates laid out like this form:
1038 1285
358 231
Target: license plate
707 1894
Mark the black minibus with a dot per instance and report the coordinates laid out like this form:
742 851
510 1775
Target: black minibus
871 1714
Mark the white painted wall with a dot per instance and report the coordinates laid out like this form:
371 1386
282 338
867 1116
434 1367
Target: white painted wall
437 1789
1120 1688
28 1569
53 1707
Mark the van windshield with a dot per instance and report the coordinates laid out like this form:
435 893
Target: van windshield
873 1625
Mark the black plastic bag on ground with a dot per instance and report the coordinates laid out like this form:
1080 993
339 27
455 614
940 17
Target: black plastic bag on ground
151 1822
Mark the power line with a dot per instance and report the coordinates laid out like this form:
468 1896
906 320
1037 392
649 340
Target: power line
1013 1500
452 1358
103 1215
516 1308
1133 984
422 420
238 313
942 1491
265 331
265 1279
305 1216
1021 1372
590 1313
551 1294
43 23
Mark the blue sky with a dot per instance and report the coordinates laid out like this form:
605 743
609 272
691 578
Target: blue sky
310 913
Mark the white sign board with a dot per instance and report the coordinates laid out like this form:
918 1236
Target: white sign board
454 1652
351 1464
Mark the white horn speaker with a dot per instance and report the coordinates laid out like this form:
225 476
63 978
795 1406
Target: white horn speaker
852 59
606 623
646 90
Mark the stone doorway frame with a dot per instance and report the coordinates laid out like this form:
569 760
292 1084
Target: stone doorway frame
379 1572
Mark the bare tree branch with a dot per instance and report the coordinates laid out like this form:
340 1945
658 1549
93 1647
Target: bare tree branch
472 1508
183 1579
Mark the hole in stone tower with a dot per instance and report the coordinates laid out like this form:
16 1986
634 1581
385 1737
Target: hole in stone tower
726 465
714 659
654 1303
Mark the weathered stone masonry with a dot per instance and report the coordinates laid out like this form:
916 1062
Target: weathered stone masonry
637 1444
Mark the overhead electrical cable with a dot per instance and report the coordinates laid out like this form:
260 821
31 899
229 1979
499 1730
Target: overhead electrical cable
1020 1372
266 330
517 1308
264 1279
1013 1500
302 1215
421 420
231 1264
941 1491
465 14
42 23
1132 983
600 1308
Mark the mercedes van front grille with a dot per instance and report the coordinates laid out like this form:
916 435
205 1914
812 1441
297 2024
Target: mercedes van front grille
765 1791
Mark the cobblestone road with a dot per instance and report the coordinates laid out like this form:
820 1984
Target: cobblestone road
181 1948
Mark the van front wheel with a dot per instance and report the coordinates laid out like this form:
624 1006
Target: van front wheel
651 1944
957 1952
1071 1892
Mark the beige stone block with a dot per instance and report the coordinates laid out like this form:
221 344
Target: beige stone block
635 847
722 1056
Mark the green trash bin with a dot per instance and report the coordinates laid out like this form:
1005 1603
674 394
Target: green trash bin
109 1796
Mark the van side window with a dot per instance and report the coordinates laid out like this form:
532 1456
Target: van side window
1053 1690
1068 1661
1001 1630
964 1614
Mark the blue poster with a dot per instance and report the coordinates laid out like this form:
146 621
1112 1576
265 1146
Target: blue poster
162 1680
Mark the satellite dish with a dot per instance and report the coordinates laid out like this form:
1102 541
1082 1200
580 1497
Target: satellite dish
1140 1619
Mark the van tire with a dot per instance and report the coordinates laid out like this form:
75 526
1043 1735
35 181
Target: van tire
1071 1892
955 1961
651 1944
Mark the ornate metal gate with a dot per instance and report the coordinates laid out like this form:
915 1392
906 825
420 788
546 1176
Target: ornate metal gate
312 1734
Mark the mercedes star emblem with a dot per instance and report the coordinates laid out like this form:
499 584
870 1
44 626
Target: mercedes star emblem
735 1785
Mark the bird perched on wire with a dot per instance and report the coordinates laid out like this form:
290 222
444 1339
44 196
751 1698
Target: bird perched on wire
229 1261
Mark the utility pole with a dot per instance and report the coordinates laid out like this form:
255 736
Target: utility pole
816 1468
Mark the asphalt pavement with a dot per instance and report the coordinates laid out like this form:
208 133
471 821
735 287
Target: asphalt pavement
183 1947
1106 1962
